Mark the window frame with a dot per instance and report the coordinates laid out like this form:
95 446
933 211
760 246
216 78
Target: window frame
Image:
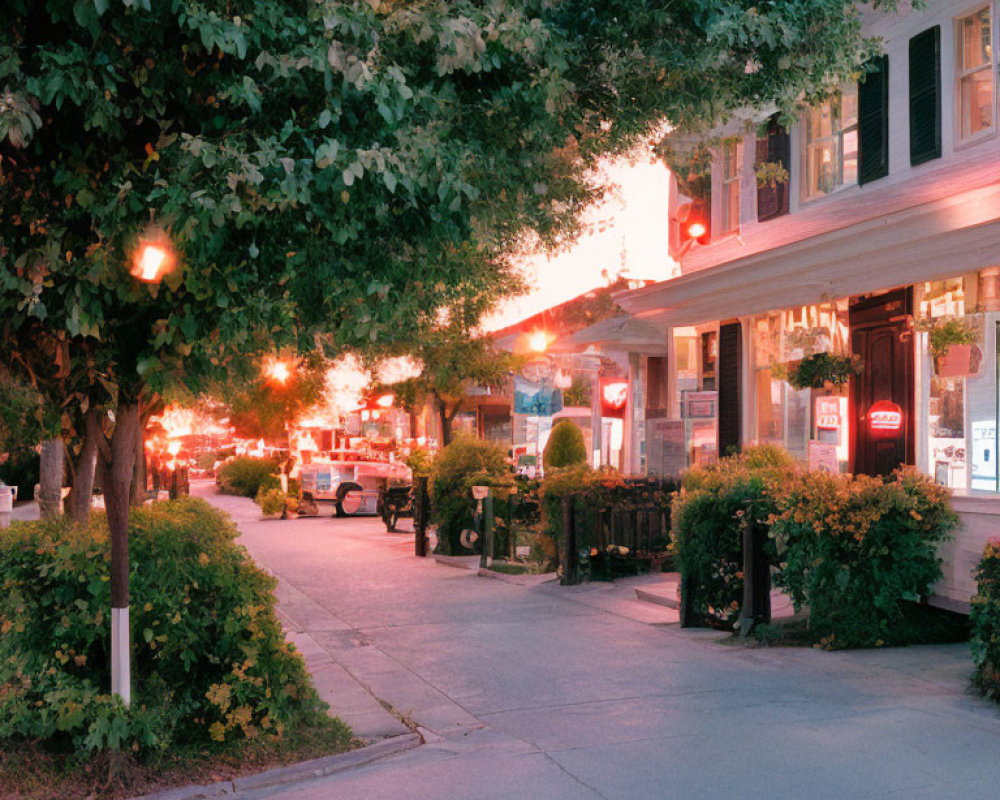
730 195
836 137
961 73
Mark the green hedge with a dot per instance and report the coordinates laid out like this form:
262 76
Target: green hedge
245 476
565 447
465 463
859 551
707 526
985 620
210 663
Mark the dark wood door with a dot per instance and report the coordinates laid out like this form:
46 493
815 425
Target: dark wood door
881 336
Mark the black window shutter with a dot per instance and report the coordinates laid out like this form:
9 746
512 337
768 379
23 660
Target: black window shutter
730 378
925 96
773 146
873 122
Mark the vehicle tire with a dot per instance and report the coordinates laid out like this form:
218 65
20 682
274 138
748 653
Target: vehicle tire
345 506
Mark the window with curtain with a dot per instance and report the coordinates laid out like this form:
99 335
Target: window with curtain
975 74
730 186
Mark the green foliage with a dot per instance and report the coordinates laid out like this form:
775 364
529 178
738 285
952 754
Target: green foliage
25 420
708 516
818 369
271 501
857 549
985 619
246 476
579 393
565 447
464 463
420 461
944 333
209 660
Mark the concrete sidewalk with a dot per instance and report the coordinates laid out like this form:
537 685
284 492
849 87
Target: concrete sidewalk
542 691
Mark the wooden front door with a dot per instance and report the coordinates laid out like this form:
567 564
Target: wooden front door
881 336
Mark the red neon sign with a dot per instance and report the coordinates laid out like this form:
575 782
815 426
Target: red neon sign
615 394
885 416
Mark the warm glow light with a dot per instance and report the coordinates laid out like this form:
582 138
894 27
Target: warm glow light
615 394
696 230
154 257
278 371
174 447
385 401
539 341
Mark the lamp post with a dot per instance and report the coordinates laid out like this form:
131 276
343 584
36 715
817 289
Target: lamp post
153 259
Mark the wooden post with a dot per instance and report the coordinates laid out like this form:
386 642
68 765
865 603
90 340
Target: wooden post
421 513
571 557
756 577
486 556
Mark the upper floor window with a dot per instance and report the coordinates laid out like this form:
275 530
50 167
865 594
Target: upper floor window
830 146
975 72
730 186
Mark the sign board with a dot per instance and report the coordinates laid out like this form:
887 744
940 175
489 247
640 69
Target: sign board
885 417
984 455
538 399
828 413
614 397
823 457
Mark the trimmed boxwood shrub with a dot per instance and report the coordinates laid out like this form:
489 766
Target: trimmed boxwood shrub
271 501
244 476
859 550
210 663
465 463
565 447
985 620
707 526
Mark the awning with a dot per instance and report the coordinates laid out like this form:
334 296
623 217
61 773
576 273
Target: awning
932 241
620 334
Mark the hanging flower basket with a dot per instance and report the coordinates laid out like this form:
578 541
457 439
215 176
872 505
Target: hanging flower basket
954 346
822 370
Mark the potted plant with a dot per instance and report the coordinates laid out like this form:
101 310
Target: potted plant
822 370
954 346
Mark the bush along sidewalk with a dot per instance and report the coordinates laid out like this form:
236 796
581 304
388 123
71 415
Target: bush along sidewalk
246 476
707 527
861 552
211 669
858 552
985 621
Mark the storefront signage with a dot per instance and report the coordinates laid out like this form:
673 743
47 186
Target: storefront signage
885 416
614 396
828 413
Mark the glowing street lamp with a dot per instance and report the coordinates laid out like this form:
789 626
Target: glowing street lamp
278 371
154 257
539 341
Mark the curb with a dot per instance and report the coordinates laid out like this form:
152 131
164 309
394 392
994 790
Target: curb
293 773
459 562
523 579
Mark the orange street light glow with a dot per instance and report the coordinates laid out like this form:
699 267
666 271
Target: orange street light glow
278 371
385 401
539 341
154 257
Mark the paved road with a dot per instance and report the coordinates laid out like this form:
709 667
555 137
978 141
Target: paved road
538 691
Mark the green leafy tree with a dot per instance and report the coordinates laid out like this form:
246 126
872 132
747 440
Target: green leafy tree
326 170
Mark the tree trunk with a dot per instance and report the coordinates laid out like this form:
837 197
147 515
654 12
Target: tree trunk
445 419
138 496
118 462
83 483
51 479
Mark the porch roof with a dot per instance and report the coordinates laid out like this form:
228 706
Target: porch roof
939 239
622 334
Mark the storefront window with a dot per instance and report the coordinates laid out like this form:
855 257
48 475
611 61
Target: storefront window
787 412
957 324
696 351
